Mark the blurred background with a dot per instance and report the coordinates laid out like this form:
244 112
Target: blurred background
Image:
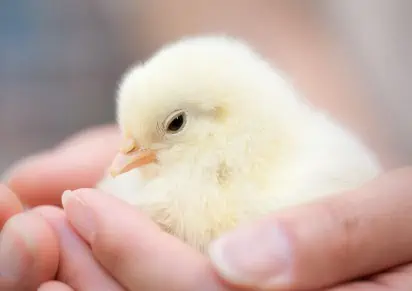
60 61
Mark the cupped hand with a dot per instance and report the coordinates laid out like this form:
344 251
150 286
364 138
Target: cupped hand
361 237
359 240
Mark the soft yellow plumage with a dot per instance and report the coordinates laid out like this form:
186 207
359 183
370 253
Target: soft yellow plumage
216 136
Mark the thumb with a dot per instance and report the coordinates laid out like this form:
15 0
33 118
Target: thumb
330 241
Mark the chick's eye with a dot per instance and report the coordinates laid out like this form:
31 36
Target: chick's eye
176 122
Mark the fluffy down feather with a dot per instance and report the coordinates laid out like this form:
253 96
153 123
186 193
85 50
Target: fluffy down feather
248 144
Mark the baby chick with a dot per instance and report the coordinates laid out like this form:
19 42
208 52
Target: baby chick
214 136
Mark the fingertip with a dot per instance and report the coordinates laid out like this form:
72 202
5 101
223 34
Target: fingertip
54 286
93 204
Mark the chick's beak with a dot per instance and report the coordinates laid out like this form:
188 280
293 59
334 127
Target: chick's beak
131 156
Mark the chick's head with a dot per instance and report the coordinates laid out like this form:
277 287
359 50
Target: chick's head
195 98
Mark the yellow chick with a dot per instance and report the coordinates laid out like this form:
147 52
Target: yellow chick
214 136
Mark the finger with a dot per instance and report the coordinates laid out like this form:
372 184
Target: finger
323 243
9 205
28 252
55 286
133 249
77 267
79 162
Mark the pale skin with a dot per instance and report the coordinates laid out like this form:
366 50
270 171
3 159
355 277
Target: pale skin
345 235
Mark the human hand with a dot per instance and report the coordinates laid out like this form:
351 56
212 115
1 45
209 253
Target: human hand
362 237
346 240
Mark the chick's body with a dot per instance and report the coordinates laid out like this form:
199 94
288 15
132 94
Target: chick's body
247 145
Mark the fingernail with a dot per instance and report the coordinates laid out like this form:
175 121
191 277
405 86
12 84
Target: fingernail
79 214
12 260
256 256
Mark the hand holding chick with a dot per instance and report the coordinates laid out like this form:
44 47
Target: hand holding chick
215 136
380 208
